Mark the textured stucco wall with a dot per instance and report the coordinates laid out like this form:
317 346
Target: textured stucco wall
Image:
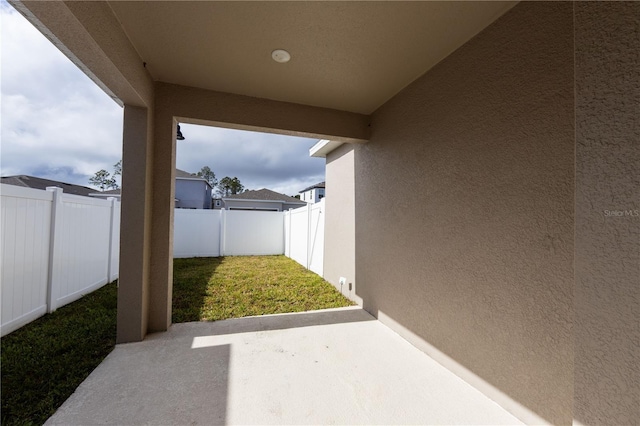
476 255
209 108
339 237
135 226
607 259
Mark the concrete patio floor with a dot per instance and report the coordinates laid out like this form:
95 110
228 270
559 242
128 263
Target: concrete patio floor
337 366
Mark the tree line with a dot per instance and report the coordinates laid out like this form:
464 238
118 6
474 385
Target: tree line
104 180
224 187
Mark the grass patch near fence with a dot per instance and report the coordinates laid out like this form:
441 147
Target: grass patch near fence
211 289
45 361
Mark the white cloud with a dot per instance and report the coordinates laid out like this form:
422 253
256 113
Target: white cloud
57 124
259 160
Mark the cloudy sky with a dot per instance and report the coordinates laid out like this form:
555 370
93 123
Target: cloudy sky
57 124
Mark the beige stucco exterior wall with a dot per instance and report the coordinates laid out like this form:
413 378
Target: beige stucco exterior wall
206 107
480 160
476 255
135 223
90 35
164 177
607 259
339 238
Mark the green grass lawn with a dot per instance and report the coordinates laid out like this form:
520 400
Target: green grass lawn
44 362
211 289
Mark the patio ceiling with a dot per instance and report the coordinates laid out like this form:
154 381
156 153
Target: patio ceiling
349 56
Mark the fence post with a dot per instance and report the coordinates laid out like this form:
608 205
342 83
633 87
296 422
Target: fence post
313 241
287 222
309 212
54 247
223 230
112 219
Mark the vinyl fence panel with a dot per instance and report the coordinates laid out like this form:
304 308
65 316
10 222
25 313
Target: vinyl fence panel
55 248
24 260
212 233
252 233
316 238
287 234
304 236
81 254
196 233
114 260
299 230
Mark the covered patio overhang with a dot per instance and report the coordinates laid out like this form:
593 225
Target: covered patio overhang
505 134
210 63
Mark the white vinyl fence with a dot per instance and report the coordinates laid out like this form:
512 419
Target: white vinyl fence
304 236
298 234
213 233
55 248
196 233
252 233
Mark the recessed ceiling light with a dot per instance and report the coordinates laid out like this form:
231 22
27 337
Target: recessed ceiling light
281 56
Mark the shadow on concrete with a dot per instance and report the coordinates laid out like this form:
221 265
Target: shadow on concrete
337 366
153 382
286 321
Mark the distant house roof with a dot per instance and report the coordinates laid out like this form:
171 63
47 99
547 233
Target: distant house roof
40 183
181 174
317 185
110 193
264 195
69 188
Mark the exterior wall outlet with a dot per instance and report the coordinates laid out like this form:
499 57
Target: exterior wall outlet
343 280
349 286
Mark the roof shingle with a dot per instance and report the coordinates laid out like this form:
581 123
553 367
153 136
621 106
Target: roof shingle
183 174
265 195
317 185
41 183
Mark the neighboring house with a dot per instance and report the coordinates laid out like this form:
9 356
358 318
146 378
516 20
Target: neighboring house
313 194
192 192
115 193
40 183
261 199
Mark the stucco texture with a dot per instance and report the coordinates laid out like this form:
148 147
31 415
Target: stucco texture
340 243
607 260
473 247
